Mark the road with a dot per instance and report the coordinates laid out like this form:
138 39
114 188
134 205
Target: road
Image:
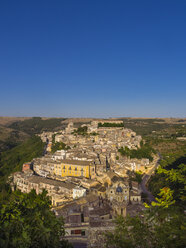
45 148
79 245
145 180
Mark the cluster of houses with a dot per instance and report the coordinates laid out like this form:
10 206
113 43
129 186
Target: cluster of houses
100 145
87 183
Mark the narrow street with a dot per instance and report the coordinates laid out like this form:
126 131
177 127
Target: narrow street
145 180
45 148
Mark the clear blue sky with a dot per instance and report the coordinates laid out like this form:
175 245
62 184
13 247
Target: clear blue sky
96 58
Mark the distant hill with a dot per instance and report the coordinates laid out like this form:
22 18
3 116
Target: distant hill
36 125
9 137
5 121
15 130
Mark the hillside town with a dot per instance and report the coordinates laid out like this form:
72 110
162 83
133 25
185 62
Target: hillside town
88 180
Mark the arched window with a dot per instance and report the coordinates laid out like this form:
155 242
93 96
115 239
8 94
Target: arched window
121 211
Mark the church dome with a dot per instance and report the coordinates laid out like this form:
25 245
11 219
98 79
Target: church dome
119 189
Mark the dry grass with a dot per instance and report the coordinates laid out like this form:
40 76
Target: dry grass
5 121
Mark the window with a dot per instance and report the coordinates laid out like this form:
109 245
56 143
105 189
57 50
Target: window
76 232
82 217
122 211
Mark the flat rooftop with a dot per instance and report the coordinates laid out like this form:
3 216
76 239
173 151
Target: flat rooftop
75 162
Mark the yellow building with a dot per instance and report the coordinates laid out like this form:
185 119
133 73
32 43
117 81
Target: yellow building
75 168
49 147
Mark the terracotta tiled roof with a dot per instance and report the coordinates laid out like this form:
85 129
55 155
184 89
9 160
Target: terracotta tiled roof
75 162
37 180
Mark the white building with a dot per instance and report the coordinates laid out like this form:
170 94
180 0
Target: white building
78 192
58 155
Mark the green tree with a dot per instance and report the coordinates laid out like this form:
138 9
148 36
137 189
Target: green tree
13 159
165 199
145 151
172 174
59 146
161 225
129 232
27 221
138 176
108 124
81 131
157 228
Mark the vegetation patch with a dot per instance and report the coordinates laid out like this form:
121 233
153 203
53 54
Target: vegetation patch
13 159
171 173
37 125
108 124
59 146
10 138
162 225
145 151
81 131
27 221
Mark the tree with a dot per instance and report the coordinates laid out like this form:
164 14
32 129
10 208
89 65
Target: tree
158 228
162 225
145 151
165 200
59 146
176 180
129 232
81 131
13 159
138 176
27 221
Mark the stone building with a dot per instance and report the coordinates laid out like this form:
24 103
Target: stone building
82 215
27 166
70 128
78 192
118 195
58 191
119 191
76 216
135 193
75 168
